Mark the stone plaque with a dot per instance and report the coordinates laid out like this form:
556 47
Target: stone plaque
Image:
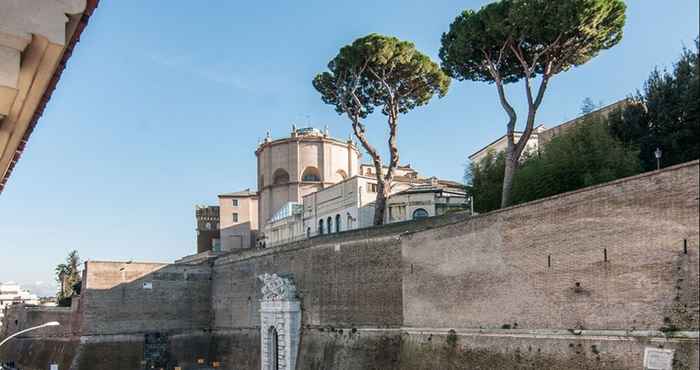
658 359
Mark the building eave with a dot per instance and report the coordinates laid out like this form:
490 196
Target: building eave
90 7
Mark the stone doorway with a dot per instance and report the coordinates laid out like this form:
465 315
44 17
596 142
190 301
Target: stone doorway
280 323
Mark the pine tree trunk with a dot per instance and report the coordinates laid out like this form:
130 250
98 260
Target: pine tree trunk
380 203
508 176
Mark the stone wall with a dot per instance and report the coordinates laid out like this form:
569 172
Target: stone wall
583 280
126 298
607 257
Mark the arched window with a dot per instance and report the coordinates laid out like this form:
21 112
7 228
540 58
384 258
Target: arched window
340 175
280 177
337 223
311 174
420 213
308 232
330 225
320 227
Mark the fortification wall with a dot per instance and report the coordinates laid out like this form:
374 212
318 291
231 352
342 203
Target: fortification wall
20 316
607 257
126 298
497 291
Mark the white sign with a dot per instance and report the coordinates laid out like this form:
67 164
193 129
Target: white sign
148 285
53 367
658 359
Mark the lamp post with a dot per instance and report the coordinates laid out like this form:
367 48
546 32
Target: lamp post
52 323
657 154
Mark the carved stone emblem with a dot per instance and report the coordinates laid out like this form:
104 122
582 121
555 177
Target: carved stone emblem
277 288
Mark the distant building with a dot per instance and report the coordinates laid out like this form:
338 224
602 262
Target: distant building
208 238
432 198
11 293
238 214
303 163
500 144
541 135
349 205
312 184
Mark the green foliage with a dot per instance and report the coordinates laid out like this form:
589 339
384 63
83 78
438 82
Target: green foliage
68 278
665 115
380 71
583 156
561 33
485 180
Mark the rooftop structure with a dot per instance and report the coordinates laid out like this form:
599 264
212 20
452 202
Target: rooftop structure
541 135
11 293
302 163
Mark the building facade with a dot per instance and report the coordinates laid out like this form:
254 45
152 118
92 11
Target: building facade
542 135
11 293
303 163
238 215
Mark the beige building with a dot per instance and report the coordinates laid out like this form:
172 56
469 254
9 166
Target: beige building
541 135
500 144
238 219
432 198
303 163
37 38
349 205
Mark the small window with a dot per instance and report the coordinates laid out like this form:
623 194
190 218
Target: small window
308 232
234 216
320 227
234 202
329 223
372 188
337 223
420 213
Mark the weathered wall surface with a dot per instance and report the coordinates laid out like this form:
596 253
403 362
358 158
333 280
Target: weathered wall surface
493 270
20 316
33 353
343 282
387 298
114 300
518 351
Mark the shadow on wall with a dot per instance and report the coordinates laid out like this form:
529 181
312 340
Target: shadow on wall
130 315
237 237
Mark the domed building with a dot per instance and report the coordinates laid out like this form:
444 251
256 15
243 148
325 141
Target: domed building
303 163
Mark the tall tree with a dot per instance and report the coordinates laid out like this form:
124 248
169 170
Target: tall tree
68 277
385 72
666 114
513 40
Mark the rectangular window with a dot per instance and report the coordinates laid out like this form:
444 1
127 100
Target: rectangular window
235 217
372 188
234 202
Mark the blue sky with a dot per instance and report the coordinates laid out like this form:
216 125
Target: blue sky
161 107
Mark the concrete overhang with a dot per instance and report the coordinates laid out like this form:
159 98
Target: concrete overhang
37 38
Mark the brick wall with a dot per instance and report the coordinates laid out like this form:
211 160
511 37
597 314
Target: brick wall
114 300
343 282
493 270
